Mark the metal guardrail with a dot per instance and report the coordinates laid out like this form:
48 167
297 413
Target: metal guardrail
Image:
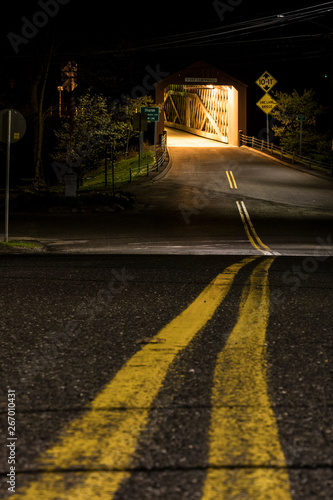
147 169
278 152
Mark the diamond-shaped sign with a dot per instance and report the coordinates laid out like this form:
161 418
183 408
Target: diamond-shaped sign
267 103
69 76
266 82
69 85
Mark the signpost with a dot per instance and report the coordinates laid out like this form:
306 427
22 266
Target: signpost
69 76
301 119
140 123
12 129
153 115
266 82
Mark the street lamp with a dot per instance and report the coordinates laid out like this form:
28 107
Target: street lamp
60 89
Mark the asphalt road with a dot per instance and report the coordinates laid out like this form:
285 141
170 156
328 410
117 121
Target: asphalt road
112 402
180 350
213 200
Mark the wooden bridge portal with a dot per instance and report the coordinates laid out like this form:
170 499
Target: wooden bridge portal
204 101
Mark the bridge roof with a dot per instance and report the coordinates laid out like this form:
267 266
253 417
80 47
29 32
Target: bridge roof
201 72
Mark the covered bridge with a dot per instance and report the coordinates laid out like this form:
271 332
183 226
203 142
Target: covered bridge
204 101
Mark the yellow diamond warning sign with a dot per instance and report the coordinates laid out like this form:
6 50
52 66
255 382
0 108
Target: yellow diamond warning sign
267 103
266 81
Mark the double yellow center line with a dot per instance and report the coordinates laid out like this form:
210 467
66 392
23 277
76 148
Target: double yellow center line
245 455
231 180
96 452
247 223
251 232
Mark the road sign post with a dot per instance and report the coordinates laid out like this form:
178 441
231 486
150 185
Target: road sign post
300 119
267 104
153 115
9 124
266 82
140 123
155 138
12 129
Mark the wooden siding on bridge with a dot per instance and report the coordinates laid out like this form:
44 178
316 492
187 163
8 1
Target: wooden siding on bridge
201 110
220 125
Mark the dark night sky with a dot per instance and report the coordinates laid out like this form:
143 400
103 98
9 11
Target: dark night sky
105 37
88 27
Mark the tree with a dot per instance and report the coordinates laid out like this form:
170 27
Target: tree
29 93
81 145
287 129
128 109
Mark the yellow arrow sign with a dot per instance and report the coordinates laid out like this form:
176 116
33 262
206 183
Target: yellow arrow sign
267 103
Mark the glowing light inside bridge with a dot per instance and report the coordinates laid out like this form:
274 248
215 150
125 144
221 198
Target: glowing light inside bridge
205 110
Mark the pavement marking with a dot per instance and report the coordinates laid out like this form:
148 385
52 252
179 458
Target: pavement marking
231 179
245 456
94 453
251 232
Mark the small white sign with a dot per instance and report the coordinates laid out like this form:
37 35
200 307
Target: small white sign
200 80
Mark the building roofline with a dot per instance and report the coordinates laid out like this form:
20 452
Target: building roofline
202 67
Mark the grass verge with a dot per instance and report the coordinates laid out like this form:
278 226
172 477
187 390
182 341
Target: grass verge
20 244
122 170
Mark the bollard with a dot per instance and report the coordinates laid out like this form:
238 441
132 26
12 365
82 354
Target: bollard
240 140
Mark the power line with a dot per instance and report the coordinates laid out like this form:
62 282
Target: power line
230 34
241 28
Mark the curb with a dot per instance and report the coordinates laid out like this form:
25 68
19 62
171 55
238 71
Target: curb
295 167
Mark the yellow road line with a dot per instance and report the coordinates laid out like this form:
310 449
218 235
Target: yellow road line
252 227
105 438
247 230
250 230
245 456
231 180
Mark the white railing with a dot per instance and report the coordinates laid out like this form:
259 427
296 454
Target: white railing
278 152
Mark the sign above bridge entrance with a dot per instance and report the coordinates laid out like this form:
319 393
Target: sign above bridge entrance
200 80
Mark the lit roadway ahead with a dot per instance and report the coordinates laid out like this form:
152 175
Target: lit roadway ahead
181 350
214 199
